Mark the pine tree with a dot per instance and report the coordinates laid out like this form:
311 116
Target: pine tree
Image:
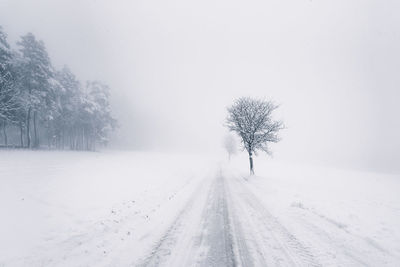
104 122
68 104
8 95
37 72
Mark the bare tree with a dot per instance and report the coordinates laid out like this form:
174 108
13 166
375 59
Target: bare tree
230 145
252 120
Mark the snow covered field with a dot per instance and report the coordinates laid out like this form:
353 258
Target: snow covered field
136 208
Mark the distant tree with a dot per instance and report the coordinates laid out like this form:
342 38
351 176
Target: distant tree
252 120
101 120
21 94
230 145
37 71
69 100
49 110
83 117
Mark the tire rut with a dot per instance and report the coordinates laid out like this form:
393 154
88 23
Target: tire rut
163 248
274 234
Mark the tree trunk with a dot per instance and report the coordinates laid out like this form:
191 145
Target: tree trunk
28 128
21 129
49 138
85 140
93 144
251 164
63 137
36 137
5 133
75 143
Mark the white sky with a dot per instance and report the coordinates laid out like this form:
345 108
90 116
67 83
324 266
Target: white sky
174 66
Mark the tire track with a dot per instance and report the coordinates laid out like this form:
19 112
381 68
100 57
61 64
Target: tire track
270 239
242 255
216 229
164 248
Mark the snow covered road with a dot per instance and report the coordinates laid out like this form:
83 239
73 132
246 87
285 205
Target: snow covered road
201 234
228 227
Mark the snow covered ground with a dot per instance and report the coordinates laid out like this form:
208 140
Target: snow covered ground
150 209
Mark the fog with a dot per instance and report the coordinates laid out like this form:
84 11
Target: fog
174 67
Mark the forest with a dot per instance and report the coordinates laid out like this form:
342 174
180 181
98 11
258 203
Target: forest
42 107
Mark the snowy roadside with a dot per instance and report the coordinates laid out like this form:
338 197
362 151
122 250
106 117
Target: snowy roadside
72 208
343 217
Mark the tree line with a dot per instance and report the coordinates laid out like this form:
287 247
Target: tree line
41 106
